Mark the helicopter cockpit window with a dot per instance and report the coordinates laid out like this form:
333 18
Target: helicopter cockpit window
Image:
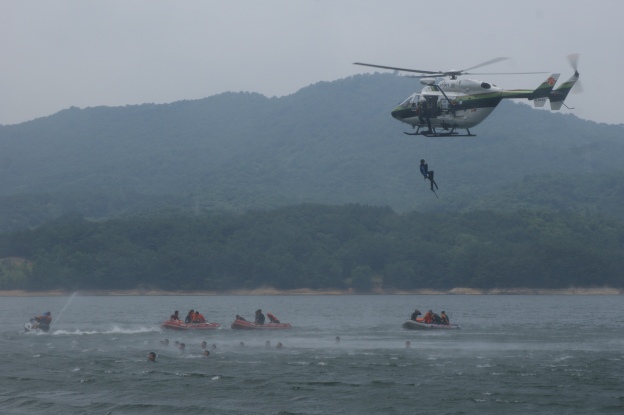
409 102
485 85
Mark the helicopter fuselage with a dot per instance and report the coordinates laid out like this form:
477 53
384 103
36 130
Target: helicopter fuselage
452 104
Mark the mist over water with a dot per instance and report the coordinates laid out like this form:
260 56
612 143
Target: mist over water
512 355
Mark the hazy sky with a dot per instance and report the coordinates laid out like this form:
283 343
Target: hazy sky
61 53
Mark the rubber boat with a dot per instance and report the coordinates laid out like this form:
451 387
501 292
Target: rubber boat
419 324
179 325
248 325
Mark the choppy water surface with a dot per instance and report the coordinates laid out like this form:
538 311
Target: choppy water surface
512 355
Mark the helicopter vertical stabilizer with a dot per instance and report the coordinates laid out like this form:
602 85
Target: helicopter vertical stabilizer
545 87
559 95
539 102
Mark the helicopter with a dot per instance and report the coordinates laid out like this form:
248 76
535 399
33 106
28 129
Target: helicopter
445 106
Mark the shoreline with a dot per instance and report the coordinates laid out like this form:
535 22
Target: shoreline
307 292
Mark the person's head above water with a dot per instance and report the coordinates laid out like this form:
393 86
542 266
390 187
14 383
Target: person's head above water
151 357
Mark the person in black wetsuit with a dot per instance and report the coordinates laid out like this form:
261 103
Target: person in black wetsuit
425 116
427 174
415 314
259 317
189 317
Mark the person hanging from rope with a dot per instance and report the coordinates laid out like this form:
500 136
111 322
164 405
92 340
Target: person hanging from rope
428 174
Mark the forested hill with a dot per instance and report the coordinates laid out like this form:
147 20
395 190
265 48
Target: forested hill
332 142
322 247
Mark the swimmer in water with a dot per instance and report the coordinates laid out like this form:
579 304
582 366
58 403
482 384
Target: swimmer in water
213 347
151 357
206 354
164 342
182 347
279 345
203 344
337 339
408 344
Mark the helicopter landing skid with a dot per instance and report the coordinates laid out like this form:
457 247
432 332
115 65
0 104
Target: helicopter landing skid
434 133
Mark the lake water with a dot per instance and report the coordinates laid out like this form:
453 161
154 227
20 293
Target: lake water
512 355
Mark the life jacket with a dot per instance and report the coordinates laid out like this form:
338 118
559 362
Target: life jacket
428 318
199 318
272 318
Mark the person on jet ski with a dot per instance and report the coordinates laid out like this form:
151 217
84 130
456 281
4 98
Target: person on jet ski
259 317
42 322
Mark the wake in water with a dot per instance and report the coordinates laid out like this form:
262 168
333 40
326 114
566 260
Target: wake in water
114 330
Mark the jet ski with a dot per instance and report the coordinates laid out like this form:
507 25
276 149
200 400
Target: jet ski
35 326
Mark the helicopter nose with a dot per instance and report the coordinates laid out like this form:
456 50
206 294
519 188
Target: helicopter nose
396 114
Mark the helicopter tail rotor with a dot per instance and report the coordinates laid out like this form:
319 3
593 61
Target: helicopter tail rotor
559 95
574 59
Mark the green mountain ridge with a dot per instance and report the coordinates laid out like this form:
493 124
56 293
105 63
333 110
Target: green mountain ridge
330 143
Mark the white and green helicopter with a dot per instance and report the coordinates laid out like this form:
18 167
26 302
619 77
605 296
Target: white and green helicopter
442 108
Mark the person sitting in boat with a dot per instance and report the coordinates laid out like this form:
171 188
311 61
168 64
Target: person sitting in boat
273 319
444 318
42 322
198 318
415 314
189 317
241 318
435 319
175 316
428 317
259 317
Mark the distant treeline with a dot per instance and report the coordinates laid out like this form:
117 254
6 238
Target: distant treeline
318 247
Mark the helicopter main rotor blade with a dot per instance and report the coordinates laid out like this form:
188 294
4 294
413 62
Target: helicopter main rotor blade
491 61
396 69
501 73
